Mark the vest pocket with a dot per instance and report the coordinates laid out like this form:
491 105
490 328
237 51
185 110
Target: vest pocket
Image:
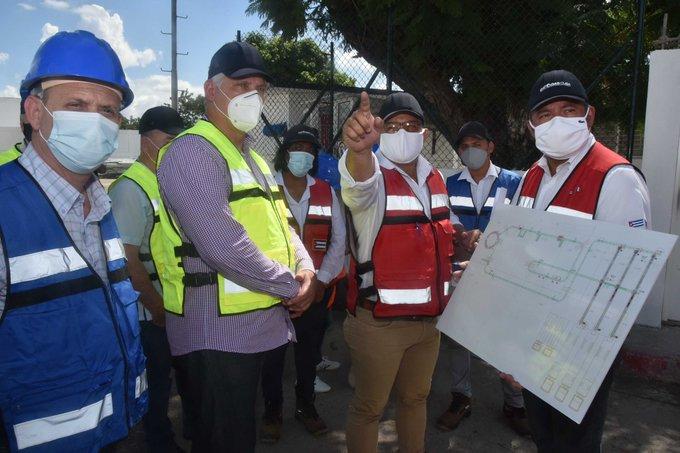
62 417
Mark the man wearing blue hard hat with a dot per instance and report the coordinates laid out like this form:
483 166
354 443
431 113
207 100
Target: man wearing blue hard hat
72 371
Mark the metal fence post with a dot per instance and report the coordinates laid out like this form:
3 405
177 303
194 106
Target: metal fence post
636 74
331 90
390 47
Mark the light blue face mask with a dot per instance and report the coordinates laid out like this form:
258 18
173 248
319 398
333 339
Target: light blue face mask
300 162
81 141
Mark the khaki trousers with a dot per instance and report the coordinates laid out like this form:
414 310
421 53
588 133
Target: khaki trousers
389 353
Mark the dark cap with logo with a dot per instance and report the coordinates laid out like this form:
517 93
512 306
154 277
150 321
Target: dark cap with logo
164 119
301 133
238 60
397 103
556 85
472 129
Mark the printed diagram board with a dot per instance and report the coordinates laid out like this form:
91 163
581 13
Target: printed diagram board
550 298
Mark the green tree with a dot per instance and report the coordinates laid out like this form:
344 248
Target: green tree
296 61
130 123
478 59
190 107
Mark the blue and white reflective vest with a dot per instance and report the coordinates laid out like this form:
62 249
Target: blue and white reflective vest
463 206
72 371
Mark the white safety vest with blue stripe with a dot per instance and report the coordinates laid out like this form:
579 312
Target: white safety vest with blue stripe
72 371
463 205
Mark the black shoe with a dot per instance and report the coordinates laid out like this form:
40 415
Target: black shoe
517 419
310 419
272 420
460 408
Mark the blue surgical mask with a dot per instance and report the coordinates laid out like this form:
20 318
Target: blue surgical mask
81 141
300 162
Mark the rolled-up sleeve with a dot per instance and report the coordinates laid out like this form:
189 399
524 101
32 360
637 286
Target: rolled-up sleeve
195 185
359 195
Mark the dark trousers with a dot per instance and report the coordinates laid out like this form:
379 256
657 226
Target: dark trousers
555 433
222 388
309 330
157 426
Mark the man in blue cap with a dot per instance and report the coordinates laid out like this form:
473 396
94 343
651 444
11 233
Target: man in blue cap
233 271
72 372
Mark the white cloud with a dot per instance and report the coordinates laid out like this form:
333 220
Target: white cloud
9 91
26 6
110 28
47 31
4 56
154 90
56 4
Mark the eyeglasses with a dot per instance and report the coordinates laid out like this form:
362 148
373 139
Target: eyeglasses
392 127
245 87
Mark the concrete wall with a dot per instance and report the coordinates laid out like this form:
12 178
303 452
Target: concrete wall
661 166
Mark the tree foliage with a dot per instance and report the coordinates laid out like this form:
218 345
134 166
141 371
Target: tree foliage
474 59
296 61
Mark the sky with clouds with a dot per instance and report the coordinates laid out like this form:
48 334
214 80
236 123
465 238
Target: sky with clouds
133 28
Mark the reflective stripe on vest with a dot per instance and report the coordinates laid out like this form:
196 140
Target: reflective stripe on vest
53 427
405 296
260 210
324 211
403 203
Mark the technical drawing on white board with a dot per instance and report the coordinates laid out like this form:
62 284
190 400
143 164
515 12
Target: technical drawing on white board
550 298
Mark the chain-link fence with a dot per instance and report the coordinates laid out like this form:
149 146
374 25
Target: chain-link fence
480 67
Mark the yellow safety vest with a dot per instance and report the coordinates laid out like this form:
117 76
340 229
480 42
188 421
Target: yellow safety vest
147 181
9 155
262 213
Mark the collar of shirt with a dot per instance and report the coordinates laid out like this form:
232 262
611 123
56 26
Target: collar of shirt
571 162
491 173
278 177
423 167
61 193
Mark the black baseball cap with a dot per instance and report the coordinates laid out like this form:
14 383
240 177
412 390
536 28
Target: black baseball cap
301 133
472 129
238 60
165 119
555 85
397 103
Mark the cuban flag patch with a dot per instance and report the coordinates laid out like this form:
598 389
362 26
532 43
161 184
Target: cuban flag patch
639 223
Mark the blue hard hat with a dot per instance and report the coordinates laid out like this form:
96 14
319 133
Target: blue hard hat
77 55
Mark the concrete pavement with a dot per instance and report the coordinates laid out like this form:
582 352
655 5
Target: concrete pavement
644 415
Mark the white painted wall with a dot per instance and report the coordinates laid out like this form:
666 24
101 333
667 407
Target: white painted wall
661 166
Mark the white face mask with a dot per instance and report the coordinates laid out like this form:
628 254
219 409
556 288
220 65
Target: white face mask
562 137
401 147
243 110
81 141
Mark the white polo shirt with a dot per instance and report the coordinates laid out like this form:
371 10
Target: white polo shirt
624 198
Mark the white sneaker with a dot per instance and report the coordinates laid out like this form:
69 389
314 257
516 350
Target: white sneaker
320 386
327 365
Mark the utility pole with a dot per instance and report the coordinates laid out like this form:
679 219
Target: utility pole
174 53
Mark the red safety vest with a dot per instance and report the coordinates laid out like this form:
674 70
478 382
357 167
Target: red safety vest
580 192
316 233
412 254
